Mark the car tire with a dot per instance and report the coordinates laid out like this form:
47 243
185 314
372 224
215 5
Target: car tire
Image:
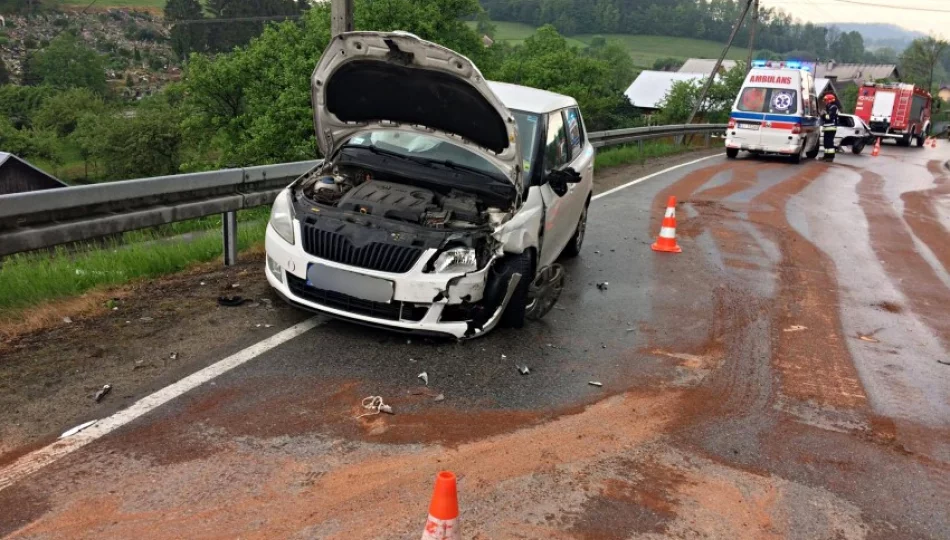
573 248
904 141
813 153
857 147
732 153
797 157
514 315
920 140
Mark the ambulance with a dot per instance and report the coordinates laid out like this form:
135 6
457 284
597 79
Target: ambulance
776 112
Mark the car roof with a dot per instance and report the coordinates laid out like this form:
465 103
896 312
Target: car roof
527 99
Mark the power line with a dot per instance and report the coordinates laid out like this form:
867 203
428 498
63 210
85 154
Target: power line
903 8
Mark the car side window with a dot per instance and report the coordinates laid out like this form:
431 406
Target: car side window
575 130
845 121
557 151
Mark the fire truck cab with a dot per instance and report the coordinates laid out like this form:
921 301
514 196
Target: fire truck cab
896 111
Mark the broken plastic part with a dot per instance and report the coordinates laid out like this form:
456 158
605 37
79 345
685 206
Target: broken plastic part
425 377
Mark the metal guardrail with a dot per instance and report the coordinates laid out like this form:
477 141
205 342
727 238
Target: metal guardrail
44 219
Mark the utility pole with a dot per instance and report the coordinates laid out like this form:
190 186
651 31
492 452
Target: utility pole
752 25
341 16
722 56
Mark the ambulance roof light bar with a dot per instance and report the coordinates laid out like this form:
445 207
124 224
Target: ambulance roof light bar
790 64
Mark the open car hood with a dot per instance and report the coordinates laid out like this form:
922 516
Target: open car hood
395 80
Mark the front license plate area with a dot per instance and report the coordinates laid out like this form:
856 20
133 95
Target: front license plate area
349 283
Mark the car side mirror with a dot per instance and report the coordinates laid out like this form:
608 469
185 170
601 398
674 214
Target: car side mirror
559 180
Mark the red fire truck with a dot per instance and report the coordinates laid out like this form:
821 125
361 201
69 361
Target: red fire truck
895 111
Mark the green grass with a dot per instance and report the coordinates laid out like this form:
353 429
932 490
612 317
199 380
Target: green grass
647 49
30 279
643 49
630 154
515 33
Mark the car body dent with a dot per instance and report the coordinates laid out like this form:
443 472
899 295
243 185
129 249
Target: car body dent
522 231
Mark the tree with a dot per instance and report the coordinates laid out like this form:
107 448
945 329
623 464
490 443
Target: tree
920 61
667 64
483 24
4 74
67 63
187 37
253 105
61 112
147 144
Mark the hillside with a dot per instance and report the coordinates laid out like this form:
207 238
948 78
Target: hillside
878 34
151 5
643 49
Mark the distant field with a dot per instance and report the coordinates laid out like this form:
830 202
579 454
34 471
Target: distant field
151 5
643 49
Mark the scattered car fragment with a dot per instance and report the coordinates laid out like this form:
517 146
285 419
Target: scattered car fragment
102 392
445 200
72 431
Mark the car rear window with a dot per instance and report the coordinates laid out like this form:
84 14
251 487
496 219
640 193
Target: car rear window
768 100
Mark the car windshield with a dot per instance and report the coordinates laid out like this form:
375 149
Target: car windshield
420 145
768 100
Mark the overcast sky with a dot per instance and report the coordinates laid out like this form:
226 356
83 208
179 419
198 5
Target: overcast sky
831 11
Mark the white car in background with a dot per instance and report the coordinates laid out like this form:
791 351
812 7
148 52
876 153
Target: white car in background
853 132
445 200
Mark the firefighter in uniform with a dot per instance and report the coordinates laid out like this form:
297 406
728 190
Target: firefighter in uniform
829 126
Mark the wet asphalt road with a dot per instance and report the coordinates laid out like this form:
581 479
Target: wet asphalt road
780 378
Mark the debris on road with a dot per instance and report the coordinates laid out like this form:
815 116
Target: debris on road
944 362
595 383
795 328
173 356
425 377
869 339
67 320
72 431
523 369
235 285
231 301
603 286
202 283
439 397
106 388
146 319
375 405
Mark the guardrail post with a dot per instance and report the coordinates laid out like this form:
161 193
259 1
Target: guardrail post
640 148
229 224
706 138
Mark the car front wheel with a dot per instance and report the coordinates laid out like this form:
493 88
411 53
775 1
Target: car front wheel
732 153
858 147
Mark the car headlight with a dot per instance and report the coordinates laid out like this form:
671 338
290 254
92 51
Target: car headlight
456 260
282 217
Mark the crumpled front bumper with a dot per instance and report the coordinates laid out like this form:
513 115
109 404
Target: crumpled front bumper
421 301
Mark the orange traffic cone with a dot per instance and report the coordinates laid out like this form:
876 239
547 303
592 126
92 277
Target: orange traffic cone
877 148
933 142
667 239
443 522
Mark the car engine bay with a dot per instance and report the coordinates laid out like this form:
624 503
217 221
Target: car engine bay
363 192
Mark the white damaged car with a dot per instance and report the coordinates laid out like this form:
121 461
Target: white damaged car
444 201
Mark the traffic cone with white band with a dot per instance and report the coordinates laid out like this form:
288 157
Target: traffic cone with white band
443 522
933 142
877 148
666 242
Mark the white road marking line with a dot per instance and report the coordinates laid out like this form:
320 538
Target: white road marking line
34 461
649 176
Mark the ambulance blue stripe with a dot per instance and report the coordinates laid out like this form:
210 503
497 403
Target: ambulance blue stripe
774 118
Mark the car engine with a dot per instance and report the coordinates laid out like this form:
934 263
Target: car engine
360 192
